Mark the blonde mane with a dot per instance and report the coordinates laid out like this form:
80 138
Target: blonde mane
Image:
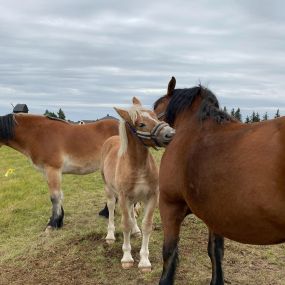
134 111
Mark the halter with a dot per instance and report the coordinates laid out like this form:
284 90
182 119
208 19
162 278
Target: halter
160 115
149 135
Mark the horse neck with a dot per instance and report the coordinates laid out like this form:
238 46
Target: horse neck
21 140
189 116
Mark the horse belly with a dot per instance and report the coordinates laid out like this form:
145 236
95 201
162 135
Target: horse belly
80 166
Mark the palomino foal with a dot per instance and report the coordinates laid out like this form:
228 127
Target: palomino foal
56 147
130 173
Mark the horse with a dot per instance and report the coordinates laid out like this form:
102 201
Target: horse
231 175
130 174
57 147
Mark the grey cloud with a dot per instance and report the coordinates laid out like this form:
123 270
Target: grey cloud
86 55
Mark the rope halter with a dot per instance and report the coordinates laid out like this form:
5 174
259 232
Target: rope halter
152 135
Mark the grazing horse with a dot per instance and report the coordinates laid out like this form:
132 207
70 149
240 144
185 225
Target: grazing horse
56 147
231 175
130 173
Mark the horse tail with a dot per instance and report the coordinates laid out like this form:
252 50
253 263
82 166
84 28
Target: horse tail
7 127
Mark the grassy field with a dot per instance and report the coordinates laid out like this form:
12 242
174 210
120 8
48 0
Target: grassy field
77 254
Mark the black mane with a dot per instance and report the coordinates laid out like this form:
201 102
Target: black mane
183 98
7 125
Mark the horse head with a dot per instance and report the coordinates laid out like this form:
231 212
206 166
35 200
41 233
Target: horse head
145 125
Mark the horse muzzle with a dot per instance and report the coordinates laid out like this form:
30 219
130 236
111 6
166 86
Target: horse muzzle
165 136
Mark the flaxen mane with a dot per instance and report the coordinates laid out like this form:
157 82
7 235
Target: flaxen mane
7 125
134 111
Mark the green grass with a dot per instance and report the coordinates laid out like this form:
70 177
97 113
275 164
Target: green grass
77 254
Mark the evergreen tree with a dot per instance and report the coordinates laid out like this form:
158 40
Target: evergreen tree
237 114
50 114
277 115
252 117
257 117
61 114
265 117
247 120
233 112
225 109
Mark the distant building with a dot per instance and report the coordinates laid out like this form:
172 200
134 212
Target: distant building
83 122
108 117
21 108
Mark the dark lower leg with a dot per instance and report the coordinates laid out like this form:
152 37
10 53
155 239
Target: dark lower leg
104 212
216 254
56 220
172 216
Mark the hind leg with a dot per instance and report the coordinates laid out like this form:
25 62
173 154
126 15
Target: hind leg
53 176
216 254
172 214
135 229
150 206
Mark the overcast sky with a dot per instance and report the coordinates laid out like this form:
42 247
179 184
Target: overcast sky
87 56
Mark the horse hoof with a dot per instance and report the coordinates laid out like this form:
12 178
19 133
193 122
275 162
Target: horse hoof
145 269
49 229
110 241
137 234
127 265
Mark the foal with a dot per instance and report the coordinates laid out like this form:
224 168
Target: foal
130 173
56 147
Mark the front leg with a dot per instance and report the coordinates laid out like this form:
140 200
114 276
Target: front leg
172 214
53 176
216 254
127 224
111 202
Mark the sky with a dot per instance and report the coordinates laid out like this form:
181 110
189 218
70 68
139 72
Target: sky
88 56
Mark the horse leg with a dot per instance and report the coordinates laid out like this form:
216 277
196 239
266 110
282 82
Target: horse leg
216 254
135 229
172 215
104 212
150 206
127 223
111 202
53 176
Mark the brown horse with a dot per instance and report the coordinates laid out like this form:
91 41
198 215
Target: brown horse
231 175
56 147
130 173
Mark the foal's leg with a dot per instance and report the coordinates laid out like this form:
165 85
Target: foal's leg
135 229
216 254
172 215
127 223
111 202
150 206
53 176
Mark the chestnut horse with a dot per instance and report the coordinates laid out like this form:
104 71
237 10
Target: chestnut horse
130 173
231 175
56 147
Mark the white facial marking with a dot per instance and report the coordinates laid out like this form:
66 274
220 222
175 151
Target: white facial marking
147 115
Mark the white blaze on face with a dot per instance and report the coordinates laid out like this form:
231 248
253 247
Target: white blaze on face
147 115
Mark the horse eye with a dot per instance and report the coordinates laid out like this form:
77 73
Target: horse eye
141 125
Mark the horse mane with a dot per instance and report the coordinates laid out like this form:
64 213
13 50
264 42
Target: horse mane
183 99
7 125
134 111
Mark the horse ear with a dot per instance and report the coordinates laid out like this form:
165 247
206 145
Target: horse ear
123 114
136 101
171 86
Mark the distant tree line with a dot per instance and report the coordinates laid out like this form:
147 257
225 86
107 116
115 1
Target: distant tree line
254 117
60 114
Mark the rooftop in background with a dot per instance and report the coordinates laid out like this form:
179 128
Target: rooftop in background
82 122
21 108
